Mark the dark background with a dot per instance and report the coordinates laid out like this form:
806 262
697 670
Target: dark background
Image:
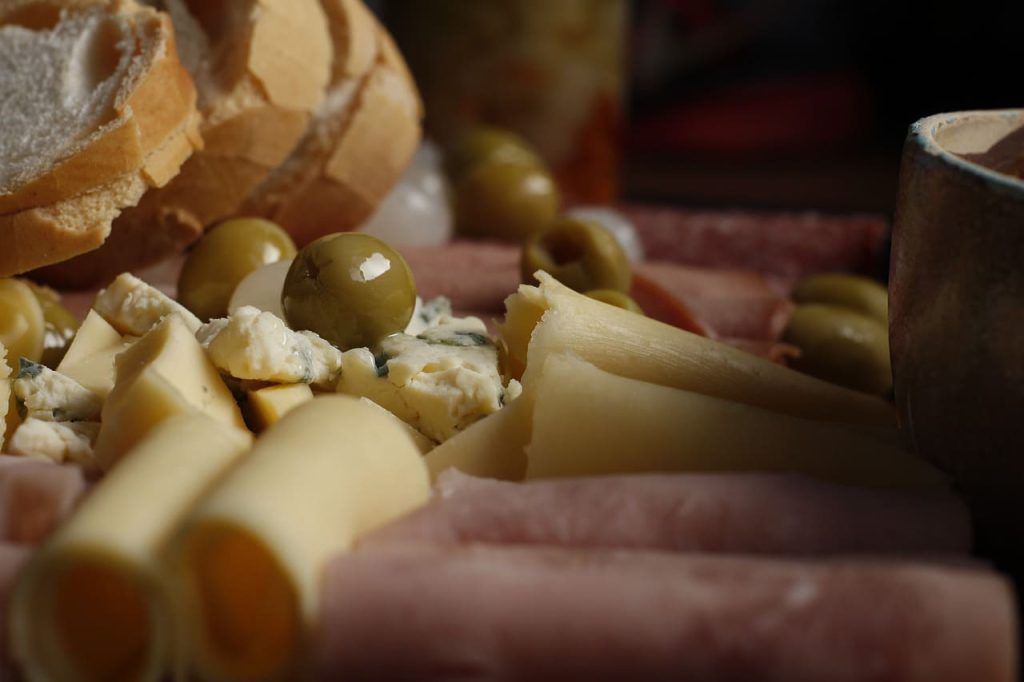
801 103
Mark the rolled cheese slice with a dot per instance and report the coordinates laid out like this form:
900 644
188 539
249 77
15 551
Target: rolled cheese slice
248 563
588 422
553 319
93 603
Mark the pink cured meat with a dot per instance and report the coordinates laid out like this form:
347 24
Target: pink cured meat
790 245
726 513
726 303
476 276
12 558
34 497
484 613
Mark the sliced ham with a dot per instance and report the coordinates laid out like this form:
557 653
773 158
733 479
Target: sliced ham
34 497
728 513
725 303
484 613
790 245
12 558
476 276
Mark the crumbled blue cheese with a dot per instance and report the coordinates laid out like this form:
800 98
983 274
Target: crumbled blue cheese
259 346
58 442
428 314
50 396
439 381
133 307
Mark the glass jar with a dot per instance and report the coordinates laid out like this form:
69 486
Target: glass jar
552 70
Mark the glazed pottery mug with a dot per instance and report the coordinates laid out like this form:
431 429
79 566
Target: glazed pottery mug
957 311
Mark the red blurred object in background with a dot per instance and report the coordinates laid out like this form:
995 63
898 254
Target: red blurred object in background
788 115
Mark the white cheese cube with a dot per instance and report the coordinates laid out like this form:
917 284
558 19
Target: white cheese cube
50 396
439 382
428 314
259 346
134 307
58 442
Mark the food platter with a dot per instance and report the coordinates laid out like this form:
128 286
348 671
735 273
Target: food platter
322 399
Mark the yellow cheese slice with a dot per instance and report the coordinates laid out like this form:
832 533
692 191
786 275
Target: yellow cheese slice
423 444
5 395
588 422
165 373
94 603
266 406
634 346
90 357
250 557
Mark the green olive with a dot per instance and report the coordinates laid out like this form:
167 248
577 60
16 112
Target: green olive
861 294
351 289
222 259
842 346
616 298
580 254
507 201
59 323
485 144
22 325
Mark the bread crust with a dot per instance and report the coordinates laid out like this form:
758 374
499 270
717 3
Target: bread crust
275 78
159 100
47 239
353 155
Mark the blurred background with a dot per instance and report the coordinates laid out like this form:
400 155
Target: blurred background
774 104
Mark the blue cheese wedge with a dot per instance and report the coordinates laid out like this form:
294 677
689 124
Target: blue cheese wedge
133 307
46 395
58 442
428 314
439 381
259 346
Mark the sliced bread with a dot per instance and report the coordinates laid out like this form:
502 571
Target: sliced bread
360 141
261 68
90 90
77 172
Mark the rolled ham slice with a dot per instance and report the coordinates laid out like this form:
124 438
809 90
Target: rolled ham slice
34 497
790 245
725 303
420 612
728 513
12 559
476 276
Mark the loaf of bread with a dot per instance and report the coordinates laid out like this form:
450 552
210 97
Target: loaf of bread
97 109
307 115
261 68
360 141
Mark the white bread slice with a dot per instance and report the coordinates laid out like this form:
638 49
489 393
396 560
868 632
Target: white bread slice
360 142
261 68
88 92
54 232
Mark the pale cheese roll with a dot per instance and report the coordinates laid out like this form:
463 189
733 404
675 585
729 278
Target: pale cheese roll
93 603
250 557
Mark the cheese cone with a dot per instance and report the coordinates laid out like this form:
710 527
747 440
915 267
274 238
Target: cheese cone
93 603
587 422
249 559
630 345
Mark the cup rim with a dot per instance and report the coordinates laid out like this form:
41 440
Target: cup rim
923 133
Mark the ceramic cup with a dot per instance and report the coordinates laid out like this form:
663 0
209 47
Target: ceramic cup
957 310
